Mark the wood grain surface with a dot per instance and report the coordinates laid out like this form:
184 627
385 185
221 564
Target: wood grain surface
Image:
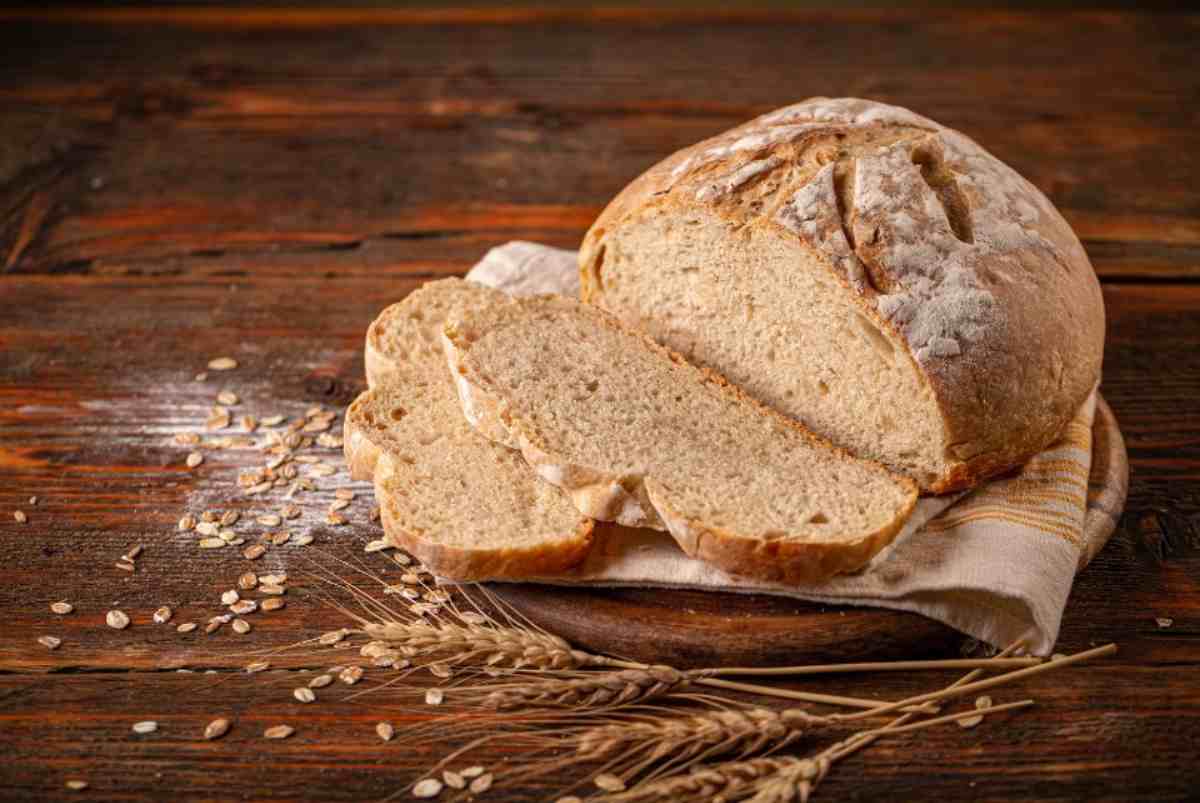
181 185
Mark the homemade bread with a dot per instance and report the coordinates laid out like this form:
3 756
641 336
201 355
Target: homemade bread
410 332
878 276
638 436
466 507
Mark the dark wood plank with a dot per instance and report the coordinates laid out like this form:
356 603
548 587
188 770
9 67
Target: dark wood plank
61 727
227 134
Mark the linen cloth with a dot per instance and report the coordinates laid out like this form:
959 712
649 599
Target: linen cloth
996 563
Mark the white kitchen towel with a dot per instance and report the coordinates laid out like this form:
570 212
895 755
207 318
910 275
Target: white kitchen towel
996 563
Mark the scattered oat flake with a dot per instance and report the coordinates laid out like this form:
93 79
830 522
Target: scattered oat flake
133 552
273 604
50 642
213 626
240 626
212 543
247 581
302 540
279 538
454 780
332 637
244 606
304 694
257 666
385 731
163 615
124 566
344 493
481 784
273 579
201 377
118 620
1164 622
290 511
222 364
230 518
20 516
188 522
61 608
186 627
77 786
434 696
279 731
271 589
471 772
187 439
373 515
207 528
609 782
338 504
273 420
350 675
145 726
378 545
430 787
229 597
254 552
320 681
216 729
269 520
227 398
194 459
322 470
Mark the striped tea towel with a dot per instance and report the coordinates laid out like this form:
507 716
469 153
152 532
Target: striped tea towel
996 563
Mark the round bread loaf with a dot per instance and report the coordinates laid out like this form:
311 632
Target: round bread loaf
874 274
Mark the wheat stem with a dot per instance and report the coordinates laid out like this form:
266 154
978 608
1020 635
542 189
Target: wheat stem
879 666
981 685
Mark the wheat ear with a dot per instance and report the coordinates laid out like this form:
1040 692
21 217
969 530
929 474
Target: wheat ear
731 779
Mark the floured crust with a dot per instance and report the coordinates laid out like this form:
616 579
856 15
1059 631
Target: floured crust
1004 320
637 501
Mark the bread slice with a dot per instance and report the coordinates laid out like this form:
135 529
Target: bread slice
410 332
638 436
466 507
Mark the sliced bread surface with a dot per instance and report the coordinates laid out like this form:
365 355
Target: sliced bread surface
409 332
466 507
637 435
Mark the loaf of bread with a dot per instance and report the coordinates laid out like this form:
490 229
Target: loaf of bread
638 436
468 508
869 272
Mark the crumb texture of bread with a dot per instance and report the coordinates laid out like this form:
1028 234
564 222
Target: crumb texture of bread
468 508
409 332
637 435
869 272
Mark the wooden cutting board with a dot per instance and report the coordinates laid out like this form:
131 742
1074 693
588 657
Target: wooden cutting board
705 628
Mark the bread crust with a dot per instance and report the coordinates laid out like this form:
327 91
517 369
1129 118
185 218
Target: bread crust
1005 392
638 501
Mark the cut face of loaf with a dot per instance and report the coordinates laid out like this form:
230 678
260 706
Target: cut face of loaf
875 275
637 435
466 507
410 332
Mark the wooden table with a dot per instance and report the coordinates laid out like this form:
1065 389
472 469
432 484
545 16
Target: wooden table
178 186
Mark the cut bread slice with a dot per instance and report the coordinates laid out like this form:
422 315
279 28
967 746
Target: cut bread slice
410 331
638 436
466 507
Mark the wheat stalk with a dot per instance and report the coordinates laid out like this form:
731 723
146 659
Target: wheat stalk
773 778
598 690
516 648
